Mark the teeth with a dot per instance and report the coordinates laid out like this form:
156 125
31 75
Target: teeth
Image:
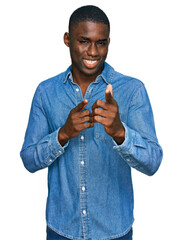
90 61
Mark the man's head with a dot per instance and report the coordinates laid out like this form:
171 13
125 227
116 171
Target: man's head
88 40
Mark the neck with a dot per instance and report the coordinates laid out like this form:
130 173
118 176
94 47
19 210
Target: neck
84 80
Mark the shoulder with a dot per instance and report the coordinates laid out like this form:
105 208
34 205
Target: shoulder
126 84
52 82
125 79
117 78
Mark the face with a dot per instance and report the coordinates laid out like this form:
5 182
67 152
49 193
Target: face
88 43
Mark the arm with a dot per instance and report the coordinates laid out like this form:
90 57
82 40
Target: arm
141 149
41 148
135 141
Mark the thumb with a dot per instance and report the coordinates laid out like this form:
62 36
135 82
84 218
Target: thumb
81 105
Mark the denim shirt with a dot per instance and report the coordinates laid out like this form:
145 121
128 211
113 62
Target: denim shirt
90 193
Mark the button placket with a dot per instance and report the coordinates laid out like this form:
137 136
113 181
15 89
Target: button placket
83 186
86 232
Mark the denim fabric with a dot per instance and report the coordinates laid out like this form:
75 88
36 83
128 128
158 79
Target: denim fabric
90 194
51 235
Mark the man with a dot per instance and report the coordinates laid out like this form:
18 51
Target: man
89 126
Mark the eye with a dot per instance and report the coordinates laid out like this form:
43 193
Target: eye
83 42
103 43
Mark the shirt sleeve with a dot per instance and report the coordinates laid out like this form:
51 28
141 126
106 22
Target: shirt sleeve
140 149
40 148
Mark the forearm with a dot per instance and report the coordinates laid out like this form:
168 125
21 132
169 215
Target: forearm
143 154
42 154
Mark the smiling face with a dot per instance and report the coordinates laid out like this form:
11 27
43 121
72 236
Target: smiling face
88 43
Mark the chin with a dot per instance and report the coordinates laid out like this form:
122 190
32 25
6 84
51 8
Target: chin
92 72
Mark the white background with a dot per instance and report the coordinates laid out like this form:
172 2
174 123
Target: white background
146 43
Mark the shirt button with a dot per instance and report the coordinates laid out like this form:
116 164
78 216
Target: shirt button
77 89
82 162
82 137
84 212
60 151
50 160
83 189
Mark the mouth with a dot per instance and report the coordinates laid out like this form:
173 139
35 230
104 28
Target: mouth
90 63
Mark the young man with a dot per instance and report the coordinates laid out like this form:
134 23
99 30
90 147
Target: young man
89 126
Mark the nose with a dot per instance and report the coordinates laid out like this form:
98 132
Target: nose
92 50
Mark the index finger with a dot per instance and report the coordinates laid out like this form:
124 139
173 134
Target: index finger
81 105
108 93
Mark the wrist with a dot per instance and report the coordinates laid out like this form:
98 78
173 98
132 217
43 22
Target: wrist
62 137
120 136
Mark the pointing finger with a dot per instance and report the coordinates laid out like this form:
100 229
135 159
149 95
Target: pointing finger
108 93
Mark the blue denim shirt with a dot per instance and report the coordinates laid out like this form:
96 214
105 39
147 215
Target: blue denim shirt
90 194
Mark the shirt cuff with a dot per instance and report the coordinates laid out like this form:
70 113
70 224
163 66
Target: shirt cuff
126 145
56 150
129 146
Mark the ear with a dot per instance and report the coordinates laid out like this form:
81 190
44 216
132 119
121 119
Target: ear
67 39
109 40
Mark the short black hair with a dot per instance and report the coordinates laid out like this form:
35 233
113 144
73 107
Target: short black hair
88 13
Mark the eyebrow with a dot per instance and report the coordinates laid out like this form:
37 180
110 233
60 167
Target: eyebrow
100 40
85 38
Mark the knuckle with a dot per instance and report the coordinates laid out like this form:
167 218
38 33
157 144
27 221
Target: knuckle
98 102
72 117
87 125
83 119
87 112
101 102
95 111
95 118
86 119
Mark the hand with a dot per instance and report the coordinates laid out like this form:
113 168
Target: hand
77 121
107 113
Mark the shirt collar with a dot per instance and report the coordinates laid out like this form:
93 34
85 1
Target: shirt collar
68 73
106 75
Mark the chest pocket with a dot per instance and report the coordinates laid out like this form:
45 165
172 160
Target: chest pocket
100 133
